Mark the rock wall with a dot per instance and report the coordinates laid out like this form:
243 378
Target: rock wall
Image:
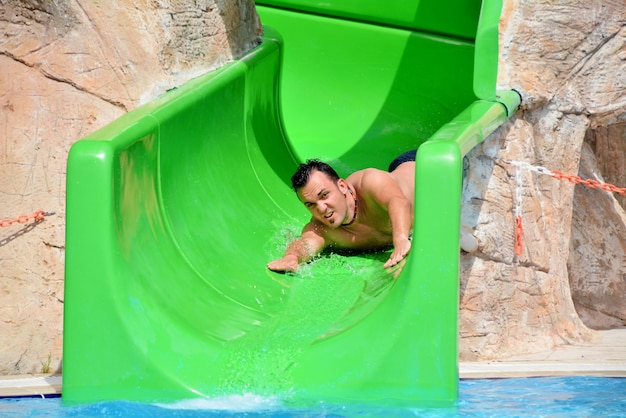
597 262
568 61
67 68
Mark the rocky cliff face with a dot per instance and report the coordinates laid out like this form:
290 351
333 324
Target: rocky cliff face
597 260
568 61
67 68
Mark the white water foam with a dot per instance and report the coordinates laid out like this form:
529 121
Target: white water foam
231 403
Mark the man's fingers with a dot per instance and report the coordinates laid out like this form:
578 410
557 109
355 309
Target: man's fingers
275 266
396 257
280 266
393 260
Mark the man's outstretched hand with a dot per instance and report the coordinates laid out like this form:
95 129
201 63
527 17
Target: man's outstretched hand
285 264
400 251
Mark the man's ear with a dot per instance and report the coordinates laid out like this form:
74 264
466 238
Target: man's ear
343 185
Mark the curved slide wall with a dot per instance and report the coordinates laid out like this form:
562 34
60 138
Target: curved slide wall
174 210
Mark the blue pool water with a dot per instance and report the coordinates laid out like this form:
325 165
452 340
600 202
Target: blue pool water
529 397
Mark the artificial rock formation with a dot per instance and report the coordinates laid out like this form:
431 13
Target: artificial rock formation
568 61
597 261
67 68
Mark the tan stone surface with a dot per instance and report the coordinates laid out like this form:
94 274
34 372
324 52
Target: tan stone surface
603 355
596 265
67 68
568 61
515 304
608 144
566 55
39 385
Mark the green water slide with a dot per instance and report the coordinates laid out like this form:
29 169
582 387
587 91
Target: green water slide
174 210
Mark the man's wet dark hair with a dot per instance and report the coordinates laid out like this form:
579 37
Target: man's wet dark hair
301 176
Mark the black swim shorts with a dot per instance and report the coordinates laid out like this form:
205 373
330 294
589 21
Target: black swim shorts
402 158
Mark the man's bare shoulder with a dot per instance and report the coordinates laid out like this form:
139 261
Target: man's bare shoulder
371 171
369 178
367 174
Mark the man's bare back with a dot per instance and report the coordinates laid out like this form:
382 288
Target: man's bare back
370 210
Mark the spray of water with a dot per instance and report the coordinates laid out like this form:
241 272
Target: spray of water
326 296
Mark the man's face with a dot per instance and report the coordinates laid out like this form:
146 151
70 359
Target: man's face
325 199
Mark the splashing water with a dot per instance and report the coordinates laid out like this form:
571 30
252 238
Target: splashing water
326 296
233 403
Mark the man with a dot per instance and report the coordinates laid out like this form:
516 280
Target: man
369 210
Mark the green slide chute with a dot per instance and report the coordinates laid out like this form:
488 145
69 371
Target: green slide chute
174 210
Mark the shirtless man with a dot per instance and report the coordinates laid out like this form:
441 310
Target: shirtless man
369 210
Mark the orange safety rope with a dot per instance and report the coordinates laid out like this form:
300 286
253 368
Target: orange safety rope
591 183
22 219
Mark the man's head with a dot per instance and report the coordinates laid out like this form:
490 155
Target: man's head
324 194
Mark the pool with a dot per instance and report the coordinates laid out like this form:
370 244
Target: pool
520 397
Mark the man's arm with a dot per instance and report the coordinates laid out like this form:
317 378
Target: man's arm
310 243
401 217
384 190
